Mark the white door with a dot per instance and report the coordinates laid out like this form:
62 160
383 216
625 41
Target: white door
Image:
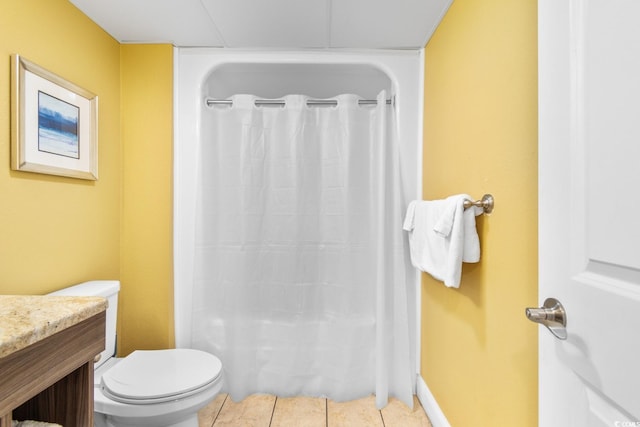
589 199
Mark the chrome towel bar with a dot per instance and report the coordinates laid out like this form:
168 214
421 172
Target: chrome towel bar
486 203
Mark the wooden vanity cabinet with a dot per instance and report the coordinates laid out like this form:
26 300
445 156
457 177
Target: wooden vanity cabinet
52 379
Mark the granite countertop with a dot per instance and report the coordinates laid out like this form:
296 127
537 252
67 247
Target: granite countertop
27 319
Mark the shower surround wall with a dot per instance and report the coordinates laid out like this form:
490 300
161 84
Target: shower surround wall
206 73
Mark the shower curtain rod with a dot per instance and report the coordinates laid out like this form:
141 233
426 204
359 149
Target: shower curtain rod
281 102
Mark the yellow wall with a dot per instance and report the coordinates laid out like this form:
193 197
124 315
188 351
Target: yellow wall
57 231
146 298
479 353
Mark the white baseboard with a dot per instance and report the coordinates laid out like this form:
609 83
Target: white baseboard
431 407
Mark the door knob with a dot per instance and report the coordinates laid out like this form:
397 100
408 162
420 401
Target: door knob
551 315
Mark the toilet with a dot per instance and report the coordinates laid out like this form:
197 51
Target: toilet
159 388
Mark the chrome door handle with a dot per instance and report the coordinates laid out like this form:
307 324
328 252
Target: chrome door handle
551 315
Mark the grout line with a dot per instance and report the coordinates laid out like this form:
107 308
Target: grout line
326 412
275 402
220 410
382 418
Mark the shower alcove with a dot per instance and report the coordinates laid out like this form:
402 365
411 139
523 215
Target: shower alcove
202 74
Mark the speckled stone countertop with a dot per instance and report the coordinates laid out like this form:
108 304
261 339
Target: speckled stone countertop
27 319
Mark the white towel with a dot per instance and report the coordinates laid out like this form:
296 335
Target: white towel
442 235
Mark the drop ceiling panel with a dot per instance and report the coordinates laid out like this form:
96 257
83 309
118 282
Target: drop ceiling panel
404 24
182 23
273 23
384 23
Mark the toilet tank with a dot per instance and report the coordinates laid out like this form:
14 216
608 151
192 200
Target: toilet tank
100 288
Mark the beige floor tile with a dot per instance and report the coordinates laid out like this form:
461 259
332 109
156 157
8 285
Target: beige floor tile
208 414
356 413
254 411
397 414
265 410
300 412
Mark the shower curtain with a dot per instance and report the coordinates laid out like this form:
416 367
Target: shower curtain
300 262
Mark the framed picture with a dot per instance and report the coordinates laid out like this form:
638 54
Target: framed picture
54 123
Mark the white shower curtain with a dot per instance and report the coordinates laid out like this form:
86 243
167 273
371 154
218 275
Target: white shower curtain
300 262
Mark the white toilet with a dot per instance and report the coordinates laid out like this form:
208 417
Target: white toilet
159 388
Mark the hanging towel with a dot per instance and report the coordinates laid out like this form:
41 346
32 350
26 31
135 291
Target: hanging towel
442 235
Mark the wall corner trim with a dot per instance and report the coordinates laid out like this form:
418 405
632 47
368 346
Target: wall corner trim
431 407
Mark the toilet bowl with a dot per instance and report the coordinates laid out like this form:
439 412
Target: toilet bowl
159 388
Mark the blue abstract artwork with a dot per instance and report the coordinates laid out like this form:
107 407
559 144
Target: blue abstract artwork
58 126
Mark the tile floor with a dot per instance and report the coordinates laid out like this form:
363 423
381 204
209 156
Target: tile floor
261 410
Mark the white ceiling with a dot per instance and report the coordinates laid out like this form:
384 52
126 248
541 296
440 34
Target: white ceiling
404 24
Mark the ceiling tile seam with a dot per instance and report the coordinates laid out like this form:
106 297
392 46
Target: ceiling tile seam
329 23
215 26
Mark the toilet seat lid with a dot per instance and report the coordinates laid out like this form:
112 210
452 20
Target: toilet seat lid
151 376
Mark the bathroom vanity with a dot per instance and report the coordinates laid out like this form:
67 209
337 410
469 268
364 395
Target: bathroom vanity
47 349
